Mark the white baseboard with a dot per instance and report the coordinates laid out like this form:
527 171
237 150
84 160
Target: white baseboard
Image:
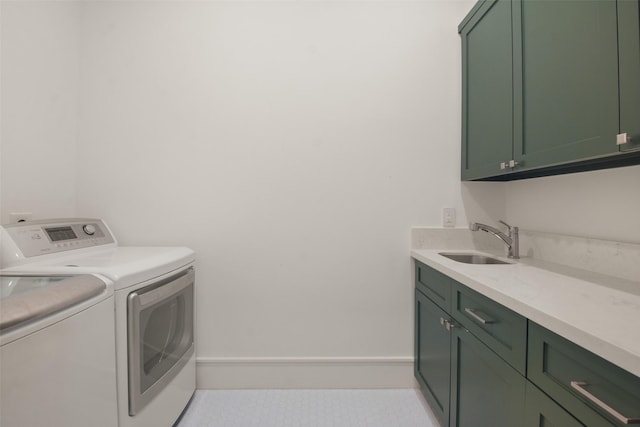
304 372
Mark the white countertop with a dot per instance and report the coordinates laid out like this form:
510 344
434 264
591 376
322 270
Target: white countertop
598 312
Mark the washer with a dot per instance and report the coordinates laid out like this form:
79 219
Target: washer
55 370
154 308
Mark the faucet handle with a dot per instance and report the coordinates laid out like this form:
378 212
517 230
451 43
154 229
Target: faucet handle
502 222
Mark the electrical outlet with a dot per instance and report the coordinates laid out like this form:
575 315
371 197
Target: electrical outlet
19 216
448 217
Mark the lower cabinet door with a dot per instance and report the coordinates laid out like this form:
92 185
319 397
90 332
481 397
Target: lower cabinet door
485 390
541 411
432 355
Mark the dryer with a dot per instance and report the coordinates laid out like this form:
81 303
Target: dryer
154 308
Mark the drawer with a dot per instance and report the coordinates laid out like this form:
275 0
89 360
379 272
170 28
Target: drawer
502 330
435 285
540 410
585 384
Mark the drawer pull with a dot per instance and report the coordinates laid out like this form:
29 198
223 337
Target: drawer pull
579 386
472 313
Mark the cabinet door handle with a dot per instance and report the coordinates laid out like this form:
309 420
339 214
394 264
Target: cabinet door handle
471 312
447 324
622 138
579 385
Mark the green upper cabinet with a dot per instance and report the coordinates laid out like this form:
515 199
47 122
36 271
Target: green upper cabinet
567 67
487 88
549 87
629 57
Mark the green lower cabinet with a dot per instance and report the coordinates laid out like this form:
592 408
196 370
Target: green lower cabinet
500 329
470 380
486 391
593 390
541 411
433 355
434 285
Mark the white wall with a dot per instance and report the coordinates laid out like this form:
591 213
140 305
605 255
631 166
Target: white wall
292 145
38 112
599 204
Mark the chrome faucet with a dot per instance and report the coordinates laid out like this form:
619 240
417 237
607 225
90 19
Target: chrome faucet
512 241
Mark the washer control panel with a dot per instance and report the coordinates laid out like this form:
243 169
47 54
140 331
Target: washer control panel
35 238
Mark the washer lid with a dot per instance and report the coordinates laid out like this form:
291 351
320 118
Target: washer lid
24 299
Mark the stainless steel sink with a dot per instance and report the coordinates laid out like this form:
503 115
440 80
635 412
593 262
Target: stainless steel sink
473 258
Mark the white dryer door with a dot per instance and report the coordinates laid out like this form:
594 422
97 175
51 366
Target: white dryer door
160 336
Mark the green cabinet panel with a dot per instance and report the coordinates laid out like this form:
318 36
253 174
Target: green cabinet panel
629 57
434 284
568 102
487 90
464 382
486 391
501 329
433 355
469 364
548 86
555 363
541 411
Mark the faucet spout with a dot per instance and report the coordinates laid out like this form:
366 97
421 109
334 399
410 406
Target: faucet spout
511 240
475 226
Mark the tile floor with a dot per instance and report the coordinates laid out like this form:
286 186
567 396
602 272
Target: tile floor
307 408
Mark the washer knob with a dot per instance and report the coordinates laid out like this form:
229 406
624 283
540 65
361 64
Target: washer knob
89 229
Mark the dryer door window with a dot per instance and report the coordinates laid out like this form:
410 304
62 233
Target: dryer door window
160 336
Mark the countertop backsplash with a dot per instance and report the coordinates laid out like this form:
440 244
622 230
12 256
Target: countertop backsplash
617 259
610 258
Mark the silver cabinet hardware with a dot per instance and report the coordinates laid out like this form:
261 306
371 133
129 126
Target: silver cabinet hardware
449 325
508 164
471 312
622 138
579 386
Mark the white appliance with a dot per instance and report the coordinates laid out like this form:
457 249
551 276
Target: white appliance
57 364
154 309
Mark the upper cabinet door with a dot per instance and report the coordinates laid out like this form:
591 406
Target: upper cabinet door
487 90
566 81
629 57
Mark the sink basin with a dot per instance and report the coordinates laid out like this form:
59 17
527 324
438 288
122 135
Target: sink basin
473 258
